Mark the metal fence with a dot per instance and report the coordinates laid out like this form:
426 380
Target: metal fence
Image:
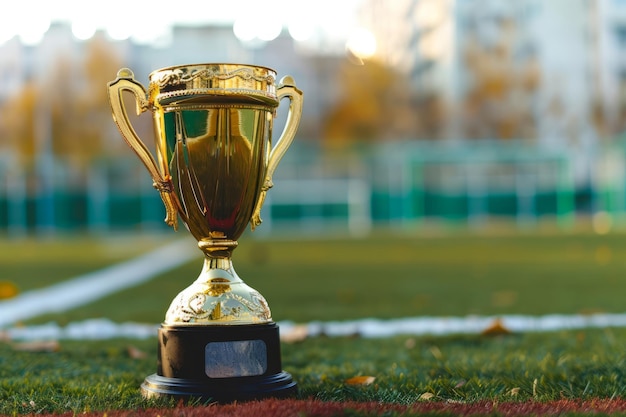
315 192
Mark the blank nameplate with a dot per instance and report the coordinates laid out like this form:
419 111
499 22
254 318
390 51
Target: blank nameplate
233 359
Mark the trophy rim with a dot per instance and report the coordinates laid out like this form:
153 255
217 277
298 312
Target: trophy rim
181 82
207 64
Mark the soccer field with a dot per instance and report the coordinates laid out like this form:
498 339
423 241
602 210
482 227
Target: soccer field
32 263
384 276
388 276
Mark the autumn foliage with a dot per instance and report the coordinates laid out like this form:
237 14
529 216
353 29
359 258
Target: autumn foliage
63 110
378 103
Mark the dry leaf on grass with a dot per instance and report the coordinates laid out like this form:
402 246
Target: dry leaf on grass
360 380
135 353
410 343
427 396
514 391
8 289
41 346
496 328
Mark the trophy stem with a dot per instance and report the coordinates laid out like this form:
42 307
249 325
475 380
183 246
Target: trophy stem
218 296
219 248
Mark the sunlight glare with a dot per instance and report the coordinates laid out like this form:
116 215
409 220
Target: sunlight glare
83 30
8 30
33 33
119 30
301 30
270 30
244 29
429 13
248 28
362 43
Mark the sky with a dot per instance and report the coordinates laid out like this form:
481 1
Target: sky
145 21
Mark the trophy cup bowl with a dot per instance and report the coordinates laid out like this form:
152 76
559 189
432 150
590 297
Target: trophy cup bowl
214 164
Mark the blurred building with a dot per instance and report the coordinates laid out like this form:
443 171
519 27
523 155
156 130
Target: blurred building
20 64
545 70
516 103
610 39
551 71
45 86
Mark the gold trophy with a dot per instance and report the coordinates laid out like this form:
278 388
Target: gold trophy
214 163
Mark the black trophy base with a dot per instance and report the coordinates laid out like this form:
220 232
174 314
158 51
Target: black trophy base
219 364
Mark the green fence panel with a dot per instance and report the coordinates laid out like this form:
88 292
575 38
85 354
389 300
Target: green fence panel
124 210
502 204
70 210
445 205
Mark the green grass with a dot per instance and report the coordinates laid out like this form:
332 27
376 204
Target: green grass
464 368
386 276
81 376
391 276
35 263
92 376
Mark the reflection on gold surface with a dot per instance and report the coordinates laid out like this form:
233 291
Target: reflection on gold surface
217 157
218 296
218 286
213 131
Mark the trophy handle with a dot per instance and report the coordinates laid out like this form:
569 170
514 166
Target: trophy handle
286 88
125 82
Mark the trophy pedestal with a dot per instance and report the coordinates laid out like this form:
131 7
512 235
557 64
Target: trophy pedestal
222 363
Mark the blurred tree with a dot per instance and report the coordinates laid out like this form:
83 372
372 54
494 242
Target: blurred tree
65 109
503 77
79 102
17 121
376 103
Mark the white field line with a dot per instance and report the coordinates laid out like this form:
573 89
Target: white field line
98 329
94 285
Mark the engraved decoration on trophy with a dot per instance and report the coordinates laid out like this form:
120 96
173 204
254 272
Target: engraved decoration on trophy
215 158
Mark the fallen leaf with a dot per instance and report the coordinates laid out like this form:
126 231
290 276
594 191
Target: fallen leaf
360 380
40 346
460 383
496 328
410 343
135 353
514 391
296 334
8 289
427 396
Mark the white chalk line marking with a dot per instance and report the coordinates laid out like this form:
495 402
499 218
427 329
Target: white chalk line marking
99 329
95 285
